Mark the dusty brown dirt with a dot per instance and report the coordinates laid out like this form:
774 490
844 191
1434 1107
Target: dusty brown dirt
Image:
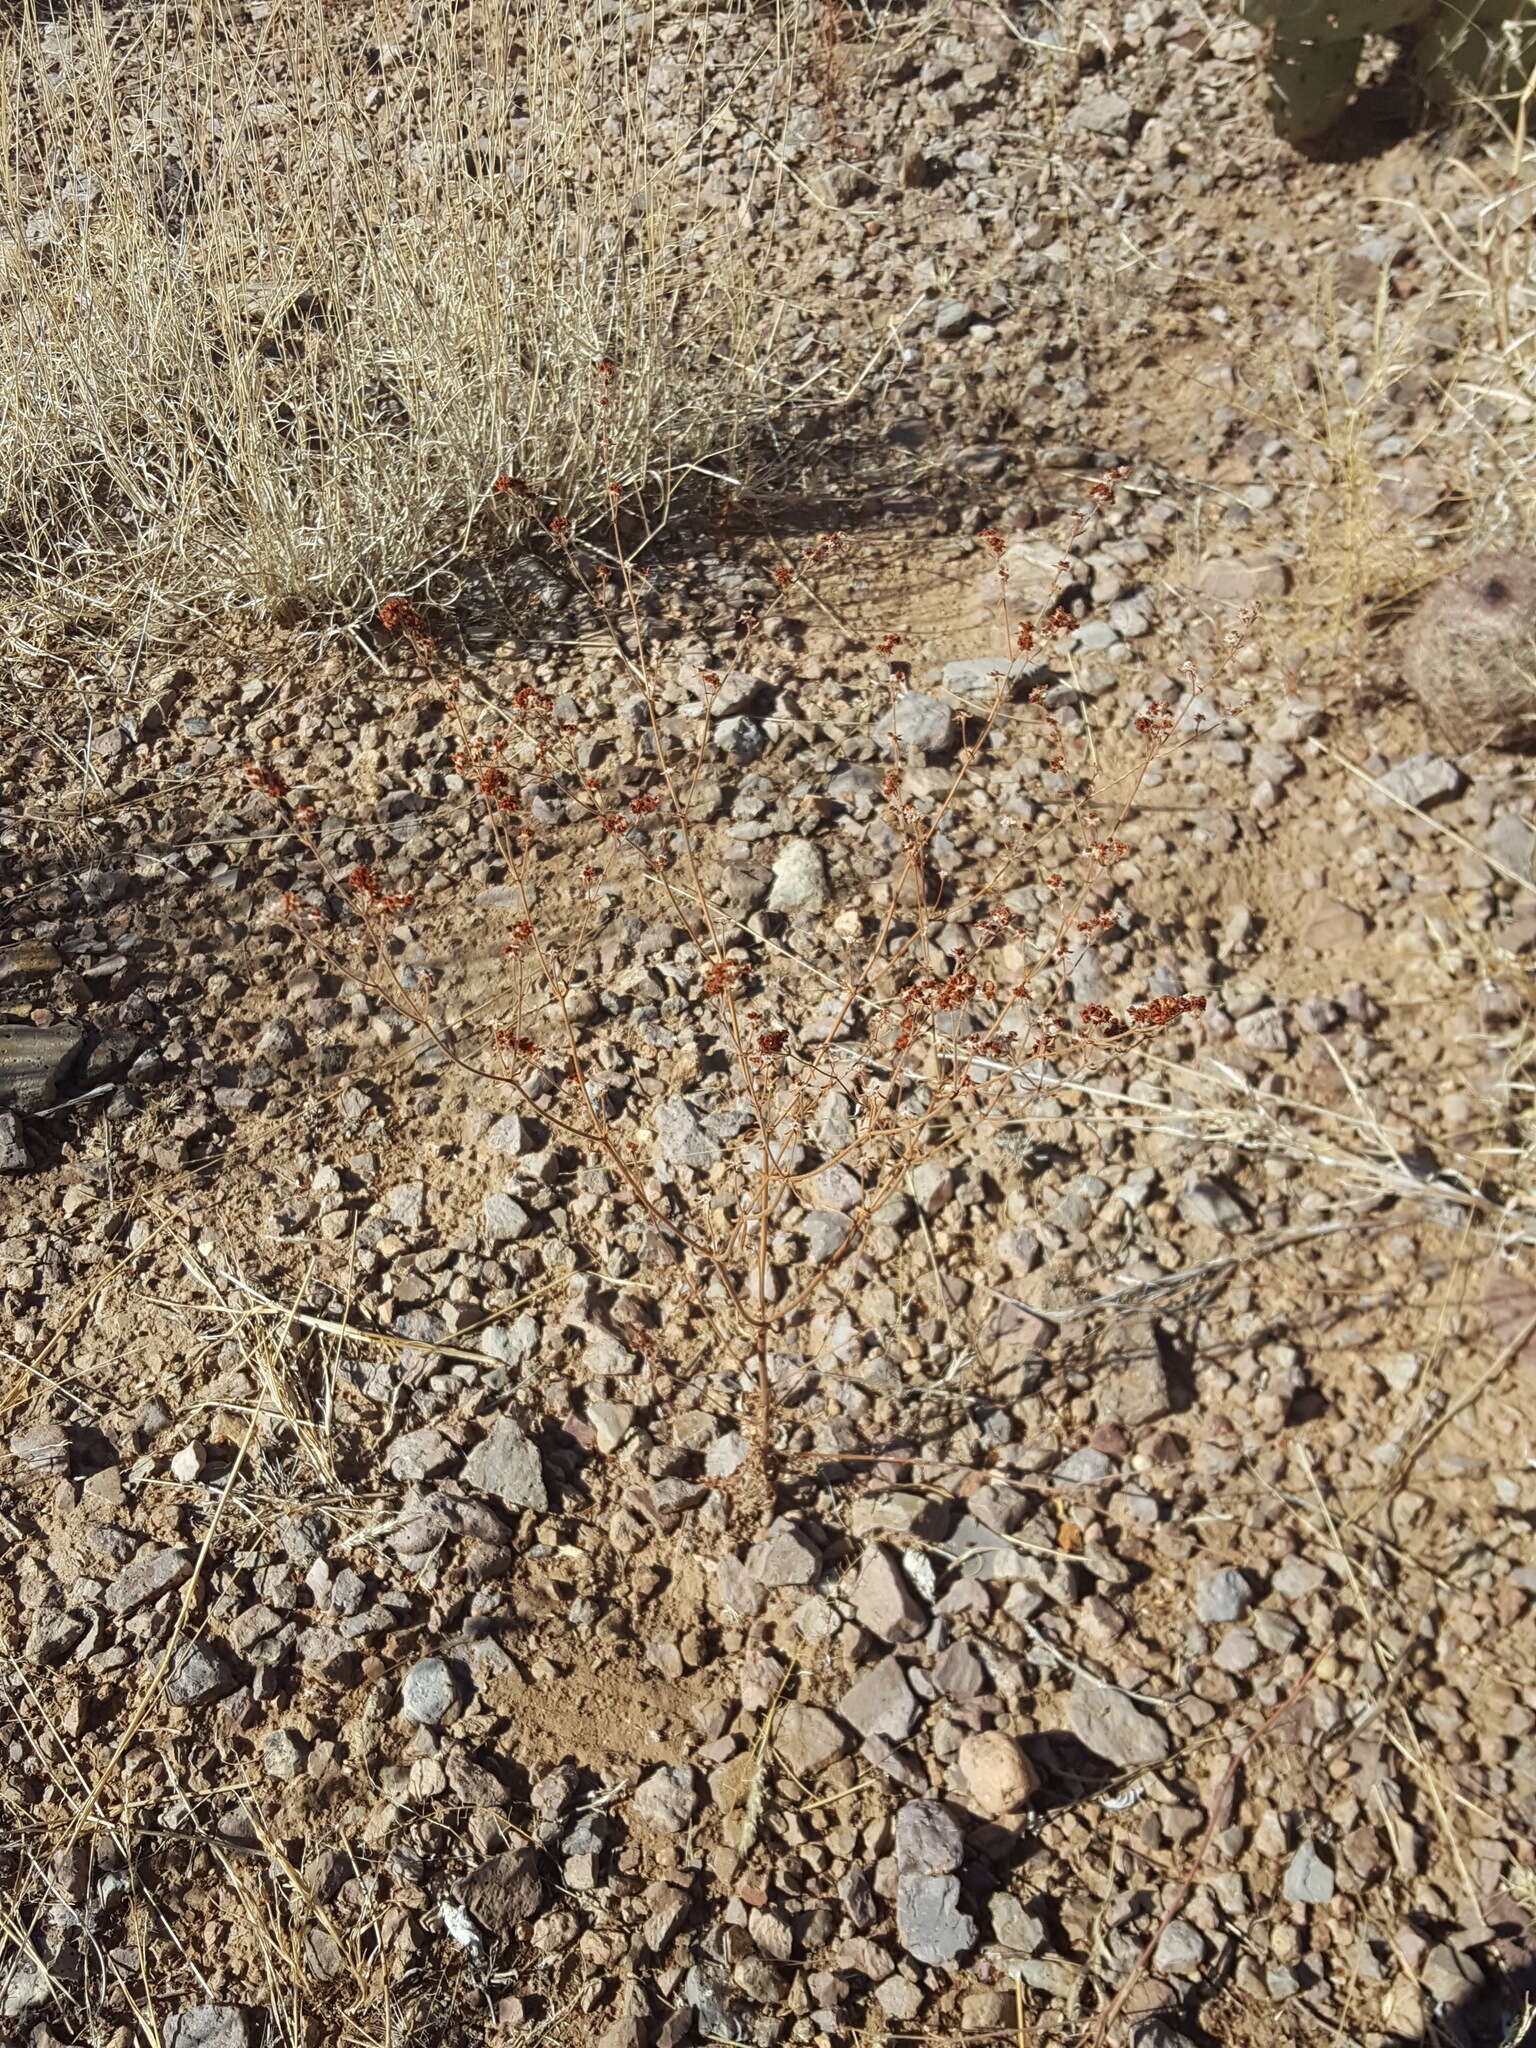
1340 1395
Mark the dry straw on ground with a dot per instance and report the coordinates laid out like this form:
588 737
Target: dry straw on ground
279 305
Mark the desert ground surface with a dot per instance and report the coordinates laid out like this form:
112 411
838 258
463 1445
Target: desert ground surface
771 1281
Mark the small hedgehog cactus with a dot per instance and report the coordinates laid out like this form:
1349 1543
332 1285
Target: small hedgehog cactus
1316 47
1469 653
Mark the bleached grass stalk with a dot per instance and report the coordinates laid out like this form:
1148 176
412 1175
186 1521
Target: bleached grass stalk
278 305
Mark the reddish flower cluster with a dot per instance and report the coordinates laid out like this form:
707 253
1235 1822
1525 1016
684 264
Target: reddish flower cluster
927 999
1106 851
371 893
721 977
509 1041
1164 1010
1103 492
399 615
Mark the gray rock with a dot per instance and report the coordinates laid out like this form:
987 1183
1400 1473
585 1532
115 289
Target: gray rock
429 1692
1224 1596
506 1891
1238 1651
786 1556
1156 2033
1448 1976
1250 581
1014 1927
929 1839
667 1800
284 1755
515 1137
682 1138
952 319
14 1157
881 1702
883 1600
912 1514
1265 1030
1298 1578
210 2026
922 725
202 1673
1102 113
929 1922
799 878
726 1455
979 683
507 1465
1213 1207
1180 1950
1136 1389
959 1674
825 1233
742 738
1115 1727
147 1578
807 1739
1424 779
707 1989
23 1985
1512 840
1084 1468
406 1205
932 1183
1308 1879
419 1454
611 1422
505 1219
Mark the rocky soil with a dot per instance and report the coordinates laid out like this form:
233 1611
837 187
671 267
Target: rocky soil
1142 1647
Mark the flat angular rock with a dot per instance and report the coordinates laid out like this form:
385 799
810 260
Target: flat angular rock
147 1578
1233 580
210 2026
419 1454
1213 1207
506 1464
881 1702
202 1673
883 1601
667 1800
799 878
807 1739
681 1136
1424 779
1224 1596
505 1892
1115 1727
921 725
1308 1879
785 1557
929 1839
14 1156
506 1220
929 1922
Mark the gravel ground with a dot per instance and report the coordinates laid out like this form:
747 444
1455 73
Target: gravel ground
1142 1643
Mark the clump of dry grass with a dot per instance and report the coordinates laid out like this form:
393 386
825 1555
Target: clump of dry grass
280 306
